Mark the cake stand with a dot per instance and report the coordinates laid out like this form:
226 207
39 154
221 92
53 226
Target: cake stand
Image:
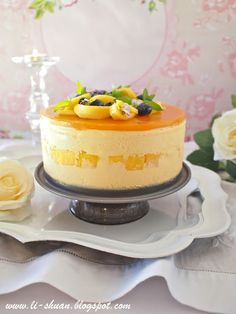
111 207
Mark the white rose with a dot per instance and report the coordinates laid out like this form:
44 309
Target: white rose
224 133
16 187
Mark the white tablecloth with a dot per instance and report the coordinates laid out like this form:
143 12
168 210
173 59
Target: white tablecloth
199 276
151 297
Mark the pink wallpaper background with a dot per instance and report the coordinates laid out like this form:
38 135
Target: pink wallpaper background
185 52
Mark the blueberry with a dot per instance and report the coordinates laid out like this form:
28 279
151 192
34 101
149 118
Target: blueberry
98 92
140 97
97 102
144 109
109 103
83 101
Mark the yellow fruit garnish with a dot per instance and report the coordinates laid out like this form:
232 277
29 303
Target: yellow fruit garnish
104 98
122 111
127 91
92 112
74 101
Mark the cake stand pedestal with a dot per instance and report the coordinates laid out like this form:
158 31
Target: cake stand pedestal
109 214
111 207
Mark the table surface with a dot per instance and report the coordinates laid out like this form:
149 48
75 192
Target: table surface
151 296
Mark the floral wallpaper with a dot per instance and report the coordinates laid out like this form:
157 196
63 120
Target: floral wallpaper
185 52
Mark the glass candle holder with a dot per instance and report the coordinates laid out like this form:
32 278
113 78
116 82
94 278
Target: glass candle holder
38 64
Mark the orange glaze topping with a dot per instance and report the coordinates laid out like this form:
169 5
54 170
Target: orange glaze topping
171 116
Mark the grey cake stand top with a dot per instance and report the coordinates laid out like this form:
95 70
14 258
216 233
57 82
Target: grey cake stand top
112 196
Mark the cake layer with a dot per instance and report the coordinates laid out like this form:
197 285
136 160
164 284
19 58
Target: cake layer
110 154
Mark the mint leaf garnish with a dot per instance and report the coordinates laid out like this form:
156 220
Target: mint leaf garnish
80 88
155 105
119 95
126 99
116 93
146 96
62 104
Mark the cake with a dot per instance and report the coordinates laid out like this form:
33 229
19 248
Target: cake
112 140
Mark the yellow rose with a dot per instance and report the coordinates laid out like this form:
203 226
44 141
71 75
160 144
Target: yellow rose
224 133
16 187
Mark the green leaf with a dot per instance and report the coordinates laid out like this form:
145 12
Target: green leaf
230 179
37 4
146 96
217 115
62 104
233 100
205 140
152 5
116 93
231 168
126 99
222 166
80 88
203 159
155 105
49 6
39 13
41 6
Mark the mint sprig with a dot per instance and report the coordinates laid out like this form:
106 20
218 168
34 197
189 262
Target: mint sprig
126 99
116 93
62 104
119 95
155 105
80 88
146 96
148 99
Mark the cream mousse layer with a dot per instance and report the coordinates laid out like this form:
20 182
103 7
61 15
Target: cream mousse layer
112 159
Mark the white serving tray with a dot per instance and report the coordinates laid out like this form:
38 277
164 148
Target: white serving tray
172 223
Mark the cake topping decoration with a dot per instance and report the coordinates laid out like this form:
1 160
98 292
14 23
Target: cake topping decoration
122 111
122 103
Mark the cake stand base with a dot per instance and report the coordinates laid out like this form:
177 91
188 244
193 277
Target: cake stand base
108 214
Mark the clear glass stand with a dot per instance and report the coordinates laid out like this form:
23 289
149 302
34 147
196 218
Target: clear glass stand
38 65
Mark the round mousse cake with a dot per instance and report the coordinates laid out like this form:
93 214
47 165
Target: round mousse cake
128 148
